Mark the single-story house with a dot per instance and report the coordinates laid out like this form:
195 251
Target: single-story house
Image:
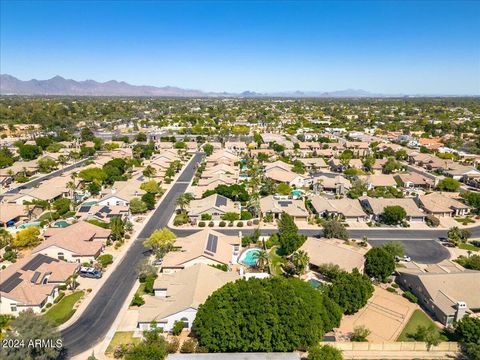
348 209
32 282
215 205
206 246
378 180
414 181
80 242
377 206
448 294
440 205
276 205
289 177
336 184
334 251
178 296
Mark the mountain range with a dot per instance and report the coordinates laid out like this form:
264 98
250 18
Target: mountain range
10 85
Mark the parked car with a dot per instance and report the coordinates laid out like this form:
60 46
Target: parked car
448 244
405 258
90 272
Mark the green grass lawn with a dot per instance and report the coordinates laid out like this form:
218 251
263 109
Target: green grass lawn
418 318
61 312
467 246
121 337
141 289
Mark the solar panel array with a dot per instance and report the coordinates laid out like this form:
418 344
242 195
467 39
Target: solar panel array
105 209
38 260
284 203
11 283
220 201
212 243
84 209
35 277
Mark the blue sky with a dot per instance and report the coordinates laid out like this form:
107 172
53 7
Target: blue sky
409 47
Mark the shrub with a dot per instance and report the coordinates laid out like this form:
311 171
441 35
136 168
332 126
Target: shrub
137 300
395 286
149 280
206 217
10 256
246 215
360 334
173 345
189 346
201 224
432 221
256 222
178 327
222 224
105 260
325 352
211 224
180 219
239 224
408 295
230 224
391 289
62 287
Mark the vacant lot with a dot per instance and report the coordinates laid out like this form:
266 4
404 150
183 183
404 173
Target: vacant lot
121 337
385 315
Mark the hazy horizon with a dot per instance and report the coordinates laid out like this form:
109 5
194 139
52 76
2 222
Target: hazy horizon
385 47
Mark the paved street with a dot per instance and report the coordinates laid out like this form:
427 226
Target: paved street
38 180
97 318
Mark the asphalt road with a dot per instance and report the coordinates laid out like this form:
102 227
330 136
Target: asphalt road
99 315
37 181
421 245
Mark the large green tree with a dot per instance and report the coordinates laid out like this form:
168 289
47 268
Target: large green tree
393 215
324 352
30 327
288 237
275 314
350 290
379 263
335 229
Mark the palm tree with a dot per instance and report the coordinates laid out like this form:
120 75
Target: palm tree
184 200
261 257
301 260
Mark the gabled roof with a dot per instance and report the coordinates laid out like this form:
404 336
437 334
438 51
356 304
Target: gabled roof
185 289
24 280
200 244
345 206
214 201
277 205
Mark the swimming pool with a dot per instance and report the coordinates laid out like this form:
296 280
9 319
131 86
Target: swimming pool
61 224
297 193
27 225
248 257
315 283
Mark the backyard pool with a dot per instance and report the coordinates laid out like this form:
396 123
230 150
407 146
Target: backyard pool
248 257
61 224
297 193
27 225
315 283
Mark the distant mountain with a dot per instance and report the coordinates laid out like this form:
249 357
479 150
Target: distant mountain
10 85
57 85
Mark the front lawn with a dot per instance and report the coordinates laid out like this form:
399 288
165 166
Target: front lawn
467 246
61 312
418 318
121 337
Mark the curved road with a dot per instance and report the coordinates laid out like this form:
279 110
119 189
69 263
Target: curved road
99 315
95 321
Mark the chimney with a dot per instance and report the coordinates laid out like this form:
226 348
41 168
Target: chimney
461 310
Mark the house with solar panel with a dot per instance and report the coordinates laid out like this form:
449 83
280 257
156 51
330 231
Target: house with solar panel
215 205
207 247
277 205
102 212
32 282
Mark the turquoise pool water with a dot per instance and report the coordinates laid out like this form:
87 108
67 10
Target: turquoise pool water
315 283
248 257
296 193
90 203
27 225
61 224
